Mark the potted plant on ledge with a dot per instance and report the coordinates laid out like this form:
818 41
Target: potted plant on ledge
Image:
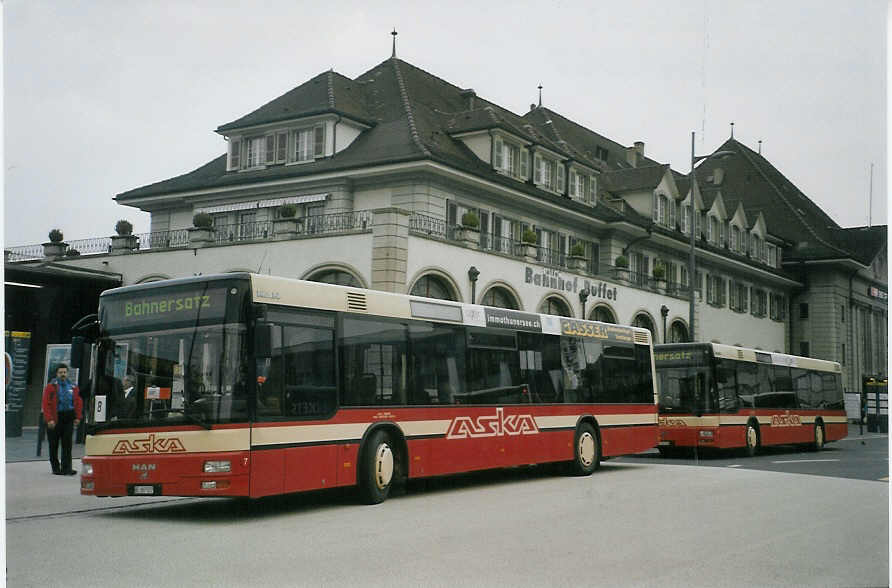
577 257
621 267
56 246
529 245
202 233
124 241
285 227
659 275
468 233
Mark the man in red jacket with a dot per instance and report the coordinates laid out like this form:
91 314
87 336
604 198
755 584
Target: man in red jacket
62 406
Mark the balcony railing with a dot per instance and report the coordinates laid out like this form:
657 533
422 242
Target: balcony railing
252 231
427 225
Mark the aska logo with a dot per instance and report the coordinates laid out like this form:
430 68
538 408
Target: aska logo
149 445
497 425
671 422
785 420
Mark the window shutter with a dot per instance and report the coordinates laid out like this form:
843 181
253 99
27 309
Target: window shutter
709 293
655 204
591 186
499 162
561 171
270 149
319 141
281 146
721 233
524 163
537 169
672 206
235 146
573 185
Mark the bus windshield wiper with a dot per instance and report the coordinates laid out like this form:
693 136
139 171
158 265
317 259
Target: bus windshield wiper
190 416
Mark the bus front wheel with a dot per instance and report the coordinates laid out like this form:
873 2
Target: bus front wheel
752 439
587 450
377 468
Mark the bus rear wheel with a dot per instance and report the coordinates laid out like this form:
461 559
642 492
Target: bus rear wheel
377 467
819 438
752 439
586 450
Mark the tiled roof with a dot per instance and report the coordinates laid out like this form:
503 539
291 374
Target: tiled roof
752 181
636 178
327 92
413 115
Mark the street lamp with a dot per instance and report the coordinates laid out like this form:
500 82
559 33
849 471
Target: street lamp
692 262
583 296
473 272
664 312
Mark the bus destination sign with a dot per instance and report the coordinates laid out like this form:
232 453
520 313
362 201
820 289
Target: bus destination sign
174 306
679 356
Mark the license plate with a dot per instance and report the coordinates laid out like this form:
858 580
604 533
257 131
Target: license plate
144 490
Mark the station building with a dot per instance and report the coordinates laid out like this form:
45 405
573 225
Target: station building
407 183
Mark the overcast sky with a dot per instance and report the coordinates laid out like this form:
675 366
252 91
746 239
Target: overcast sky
104 96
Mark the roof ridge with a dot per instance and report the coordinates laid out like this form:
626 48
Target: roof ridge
404 95
784 199
331 96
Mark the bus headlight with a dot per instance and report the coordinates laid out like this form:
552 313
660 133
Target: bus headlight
216 467
88 469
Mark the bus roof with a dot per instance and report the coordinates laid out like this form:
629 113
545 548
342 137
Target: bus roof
757 356
293 292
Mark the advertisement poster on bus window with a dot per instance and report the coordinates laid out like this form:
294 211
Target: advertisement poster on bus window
57 353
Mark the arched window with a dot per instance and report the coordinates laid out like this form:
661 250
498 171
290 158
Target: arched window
556 306
500 297
678 332
432 287
341 278
643 321
603 314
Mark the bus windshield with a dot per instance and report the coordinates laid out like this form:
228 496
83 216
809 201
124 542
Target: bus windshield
685 380
164 370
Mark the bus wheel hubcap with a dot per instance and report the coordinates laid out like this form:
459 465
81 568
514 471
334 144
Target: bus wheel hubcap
750 436
586 449
383 466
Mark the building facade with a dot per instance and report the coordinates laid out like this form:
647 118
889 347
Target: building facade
400 181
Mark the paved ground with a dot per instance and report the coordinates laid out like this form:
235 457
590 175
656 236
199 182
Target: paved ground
24 448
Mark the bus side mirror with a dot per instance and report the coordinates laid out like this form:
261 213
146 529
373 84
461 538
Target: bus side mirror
77 352
263 340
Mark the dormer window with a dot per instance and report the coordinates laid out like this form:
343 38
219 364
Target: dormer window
278 147
582 187
548 174
735 238
511 159
712 229
308 143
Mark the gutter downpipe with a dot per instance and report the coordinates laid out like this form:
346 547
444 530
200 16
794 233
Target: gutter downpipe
334 138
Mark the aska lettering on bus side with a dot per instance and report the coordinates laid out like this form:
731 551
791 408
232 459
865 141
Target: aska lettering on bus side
497 425
672 422
150 444
785 420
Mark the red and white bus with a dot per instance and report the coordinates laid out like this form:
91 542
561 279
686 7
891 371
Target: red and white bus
250 385
723 397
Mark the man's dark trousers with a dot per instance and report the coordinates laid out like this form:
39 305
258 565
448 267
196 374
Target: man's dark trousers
63 430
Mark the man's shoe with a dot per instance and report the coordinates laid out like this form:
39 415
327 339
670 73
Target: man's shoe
70 472
57 473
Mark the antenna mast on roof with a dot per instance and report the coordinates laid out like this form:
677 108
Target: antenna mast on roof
870 200
540 94
732 129
760 146
393 53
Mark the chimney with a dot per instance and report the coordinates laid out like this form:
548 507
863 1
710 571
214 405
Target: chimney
469 96
632 156
532 107
639 147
